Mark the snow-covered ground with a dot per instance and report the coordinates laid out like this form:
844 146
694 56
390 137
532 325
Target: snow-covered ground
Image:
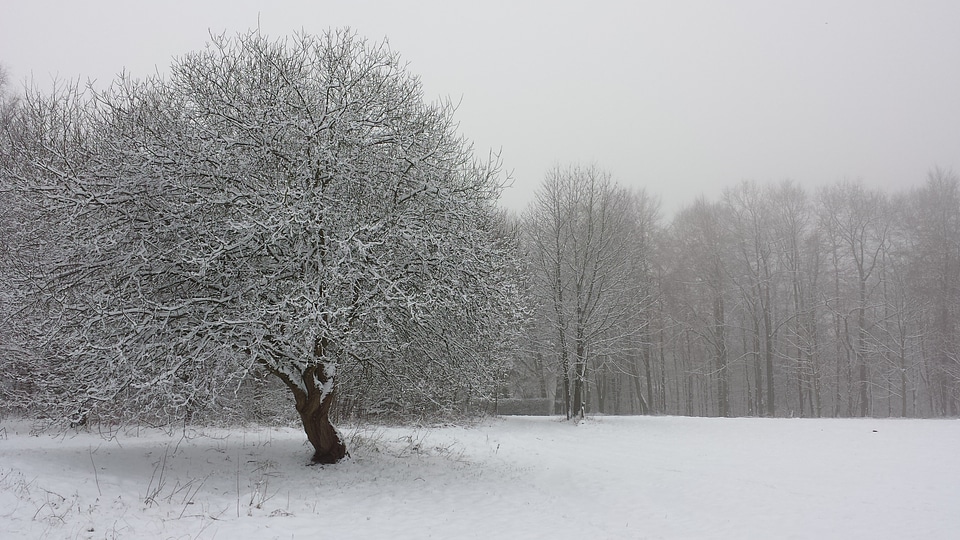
610 477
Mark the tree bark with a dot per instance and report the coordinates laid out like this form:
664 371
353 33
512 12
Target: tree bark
314 409
579 374
313 397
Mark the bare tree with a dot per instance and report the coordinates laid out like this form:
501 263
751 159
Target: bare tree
701 283
580 227
291 205
858 223
793 234
934 225
772 302
646 215
549 247
752 220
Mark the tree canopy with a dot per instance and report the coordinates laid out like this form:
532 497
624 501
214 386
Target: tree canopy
293 205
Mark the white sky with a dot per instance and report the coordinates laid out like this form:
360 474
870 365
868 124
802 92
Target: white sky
682 97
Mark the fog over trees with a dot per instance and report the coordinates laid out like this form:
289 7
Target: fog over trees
772 301
295 209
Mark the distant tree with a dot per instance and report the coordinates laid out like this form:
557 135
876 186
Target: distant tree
794 235
857 221
933 223
898 330
750 218
548 247
768 301
701 272
579 228
293 206
642 298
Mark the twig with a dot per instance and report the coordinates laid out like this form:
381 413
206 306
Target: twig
238 483
96 476
188 500
152 493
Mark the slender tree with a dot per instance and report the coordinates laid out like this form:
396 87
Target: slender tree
859 221
934 224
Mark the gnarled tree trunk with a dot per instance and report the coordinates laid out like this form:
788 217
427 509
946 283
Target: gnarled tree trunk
314 409
313 396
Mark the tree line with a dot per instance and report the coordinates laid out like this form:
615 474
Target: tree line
773 300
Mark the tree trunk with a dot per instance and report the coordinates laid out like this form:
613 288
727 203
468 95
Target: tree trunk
768 350
562 336
723 397
757 364
601 384
638 389
648 372
751 407
813 351
313 396
579 374
862 350
800 338
578 408
327 443
314 411
541 375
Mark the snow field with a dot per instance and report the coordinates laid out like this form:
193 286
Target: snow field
607 477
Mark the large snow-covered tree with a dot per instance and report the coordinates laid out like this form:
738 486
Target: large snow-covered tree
292 205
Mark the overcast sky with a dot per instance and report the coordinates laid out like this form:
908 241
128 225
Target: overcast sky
682 98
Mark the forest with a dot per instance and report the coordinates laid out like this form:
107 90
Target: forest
774 300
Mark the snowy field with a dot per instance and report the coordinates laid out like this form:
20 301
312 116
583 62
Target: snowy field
610 477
